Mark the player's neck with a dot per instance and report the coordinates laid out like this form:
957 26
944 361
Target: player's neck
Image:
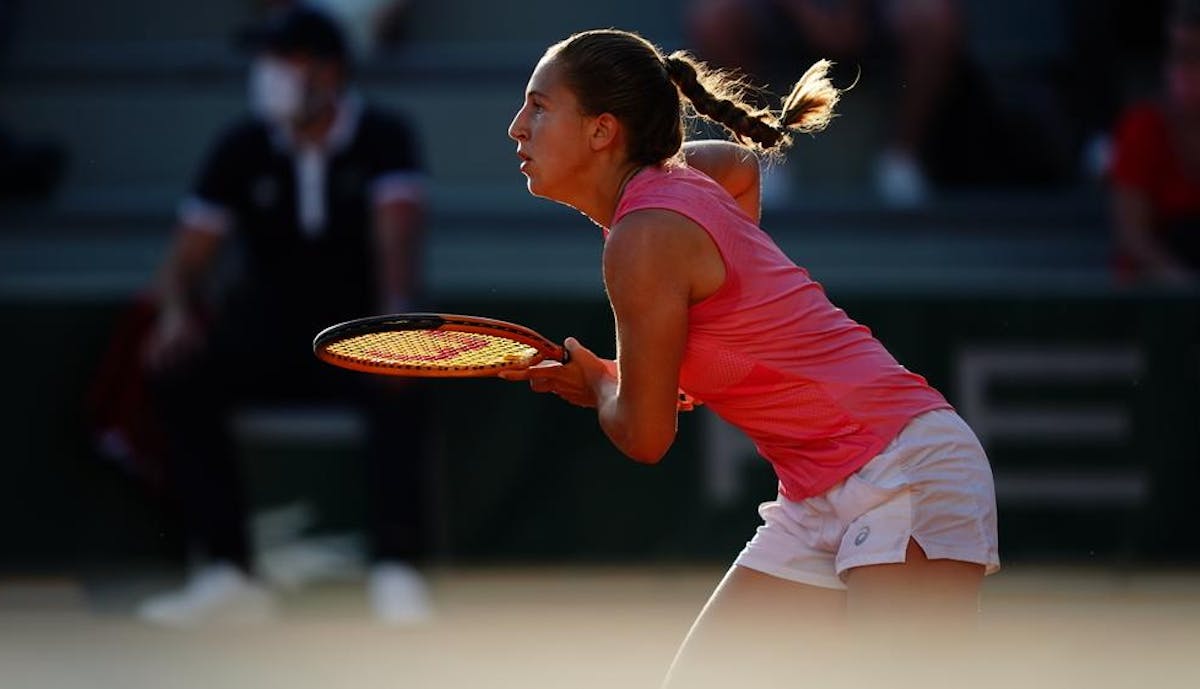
602 205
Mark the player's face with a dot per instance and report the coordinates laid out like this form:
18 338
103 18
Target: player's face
551 132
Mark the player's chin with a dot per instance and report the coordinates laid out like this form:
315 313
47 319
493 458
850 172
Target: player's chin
539 190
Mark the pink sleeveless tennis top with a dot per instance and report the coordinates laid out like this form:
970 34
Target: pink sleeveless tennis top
817 394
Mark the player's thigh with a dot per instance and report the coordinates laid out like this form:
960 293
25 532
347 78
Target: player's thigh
747 595
756 627
936 593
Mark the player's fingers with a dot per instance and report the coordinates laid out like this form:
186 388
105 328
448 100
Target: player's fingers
542 382
586 358
576 348
527 373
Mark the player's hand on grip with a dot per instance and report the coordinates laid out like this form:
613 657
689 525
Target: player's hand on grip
576 382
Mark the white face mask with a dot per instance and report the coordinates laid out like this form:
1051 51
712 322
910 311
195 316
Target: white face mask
276 90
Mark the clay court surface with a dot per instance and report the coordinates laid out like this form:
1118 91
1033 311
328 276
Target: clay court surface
1090 628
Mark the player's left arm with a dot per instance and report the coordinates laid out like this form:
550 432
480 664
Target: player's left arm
733 166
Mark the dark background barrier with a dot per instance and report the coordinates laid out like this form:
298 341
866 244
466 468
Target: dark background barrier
1086 404
1084 391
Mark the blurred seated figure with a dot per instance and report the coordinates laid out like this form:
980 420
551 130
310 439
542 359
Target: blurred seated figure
947 127
760 37
1115 50
1155 174
323 193
370 25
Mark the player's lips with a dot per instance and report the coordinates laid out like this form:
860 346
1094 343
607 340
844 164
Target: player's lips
524 160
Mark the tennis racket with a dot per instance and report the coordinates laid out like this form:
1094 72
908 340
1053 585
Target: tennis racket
433 345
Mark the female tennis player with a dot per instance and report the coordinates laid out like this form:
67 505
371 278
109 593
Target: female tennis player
886 508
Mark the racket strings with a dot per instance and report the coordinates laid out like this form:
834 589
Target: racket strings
432 350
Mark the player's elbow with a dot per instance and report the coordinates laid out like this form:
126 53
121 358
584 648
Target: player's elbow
638 434
649 448
645 455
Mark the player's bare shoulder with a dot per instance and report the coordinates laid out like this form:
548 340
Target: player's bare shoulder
652 235
663 246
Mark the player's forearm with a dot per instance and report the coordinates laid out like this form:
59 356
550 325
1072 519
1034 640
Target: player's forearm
630 431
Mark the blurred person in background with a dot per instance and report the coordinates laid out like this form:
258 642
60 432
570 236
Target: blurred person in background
324 195
1115 54
1155 173
370 25
759 36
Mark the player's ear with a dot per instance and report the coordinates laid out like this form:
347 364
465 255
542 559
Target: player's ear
605 131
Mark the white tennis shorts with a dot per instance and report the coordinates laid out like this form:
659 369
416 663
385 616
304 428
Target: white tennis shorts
932 483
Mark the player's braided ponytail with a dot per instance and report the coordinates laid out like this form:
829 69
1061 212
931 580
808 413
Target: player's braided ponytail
720 98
